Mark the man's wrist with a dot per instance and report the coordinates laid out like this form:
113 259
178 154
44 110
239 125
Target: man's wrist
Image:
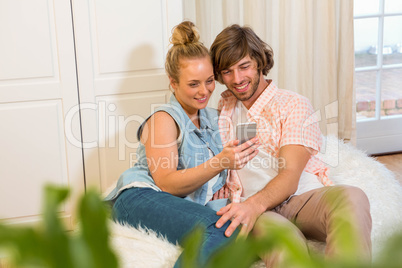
257 203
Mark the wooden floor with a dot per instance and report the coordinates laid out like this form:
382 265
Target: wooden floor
394 163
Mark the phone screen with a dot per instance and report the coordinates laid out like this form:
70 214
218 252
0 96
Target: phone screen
246 131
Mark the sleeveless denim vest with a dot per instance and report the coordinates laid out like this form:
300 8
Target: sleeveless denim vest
192 151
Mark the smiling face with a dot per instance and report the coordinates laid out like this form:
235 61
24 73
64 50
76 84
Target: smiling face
244 80
196 84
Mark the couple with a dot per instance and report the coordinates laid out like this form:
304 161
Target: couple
203 163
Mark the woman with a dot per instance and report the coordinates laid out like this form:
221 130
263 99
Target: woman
181 162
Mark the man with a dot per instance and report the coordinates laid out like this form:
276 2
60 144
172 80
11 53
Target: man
294 186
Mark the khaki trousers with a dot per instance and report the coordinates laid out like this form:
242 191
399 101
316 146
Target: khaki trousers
316 214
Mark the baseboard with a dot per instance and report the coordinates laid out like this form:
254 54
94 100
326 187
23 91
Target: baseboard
385 154
380 145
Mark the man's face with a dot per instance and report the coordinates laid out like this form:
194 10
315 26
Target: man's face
242 78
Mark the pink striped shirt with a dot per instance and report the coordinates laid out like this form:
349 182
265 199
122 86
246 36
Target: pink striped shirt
283 118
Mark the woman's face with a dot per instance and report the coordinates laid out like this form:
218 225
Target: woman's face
196 84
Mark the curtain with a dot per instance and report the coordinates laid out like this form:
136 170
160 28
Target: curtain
313 46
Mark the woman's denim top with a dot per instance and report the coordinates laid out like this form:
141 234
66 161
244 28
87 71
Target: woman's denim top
192 150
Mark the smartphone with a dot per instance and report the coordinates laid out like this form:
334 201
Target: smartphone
246 131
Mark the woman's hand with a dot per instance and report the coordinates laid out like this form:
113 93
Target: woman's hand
234 156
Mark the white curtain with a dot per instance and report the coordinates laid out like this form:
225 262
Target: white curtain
313 47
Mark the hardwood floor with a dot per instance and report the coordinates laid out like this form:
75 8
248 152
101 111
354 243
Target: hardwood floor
394 163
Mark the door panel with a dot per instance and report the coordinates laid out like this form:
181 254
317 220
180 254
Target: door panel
38 87
132 31
33 154
119 118
25 37
121 48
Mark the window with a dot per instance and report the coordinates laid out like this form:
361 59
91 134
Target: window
378 58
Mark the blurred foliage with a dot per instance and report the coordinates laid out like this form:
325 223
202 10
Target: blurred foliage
50 245
244 252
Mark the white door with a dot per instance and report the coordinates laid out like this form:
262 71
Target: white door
121 47
38 87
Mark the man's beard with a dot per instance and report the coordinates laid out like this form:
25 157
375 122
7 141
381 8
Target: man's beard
244 96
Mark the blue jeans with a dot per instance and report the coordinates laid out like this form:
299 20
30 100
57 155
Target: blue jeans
170 216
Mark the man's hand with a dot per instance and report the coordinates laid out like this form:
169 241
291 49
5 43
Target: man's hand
245 214
274 193
221 193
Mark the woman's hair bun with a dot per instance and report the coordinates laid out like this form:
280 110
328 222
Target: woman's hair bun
186 44
185 33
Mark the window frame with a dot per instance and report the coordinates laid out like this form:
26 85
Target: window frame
380 15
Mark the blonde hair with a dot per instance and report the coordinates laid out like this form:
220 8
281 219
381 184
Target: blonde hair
186 45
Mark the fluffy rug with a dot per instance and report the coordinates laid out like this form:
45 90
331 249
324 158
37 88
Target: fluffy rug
143 248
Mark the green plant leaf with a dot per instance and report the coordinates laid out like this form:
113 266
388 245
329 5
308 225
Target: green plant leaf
55 239
93 214
192 244
51 245
391 256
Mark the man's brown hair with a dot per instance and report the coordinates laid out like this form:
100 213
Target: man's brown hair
236 42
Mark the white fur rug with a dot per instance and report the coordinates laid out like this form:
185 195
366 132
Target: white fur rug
144 249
